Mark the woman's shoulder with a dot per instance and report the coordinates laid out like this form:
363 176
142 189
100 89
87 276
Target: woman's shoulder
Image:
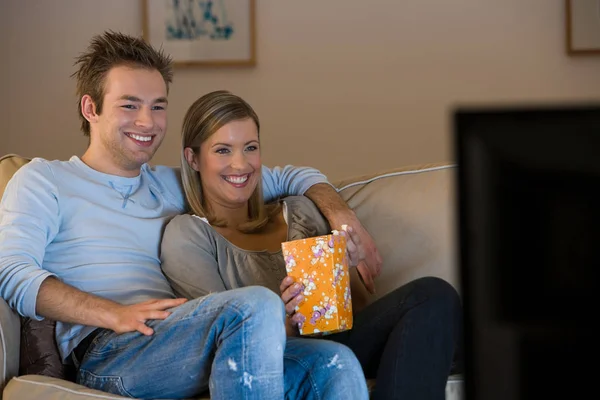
188 226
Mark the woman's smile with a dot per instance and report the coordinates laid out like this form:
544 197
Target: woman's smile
237 181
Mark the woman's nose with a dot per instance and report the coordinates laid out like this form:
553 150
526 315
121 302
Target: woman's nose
238 161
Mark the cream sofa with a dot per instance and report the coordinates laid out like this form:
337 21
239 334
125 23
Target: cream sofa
409 212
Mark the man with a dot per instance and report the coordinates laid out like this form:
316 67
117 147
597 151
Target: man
79 244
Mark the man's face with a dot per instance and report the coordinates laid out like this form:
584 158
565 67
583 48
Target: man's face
133 121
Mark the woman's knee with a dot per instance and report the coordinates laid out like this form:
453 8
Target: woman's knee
440 294
437 288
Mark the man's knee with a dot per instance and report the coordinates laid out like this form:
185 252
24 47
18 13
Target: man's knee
340 357
343 370
257 302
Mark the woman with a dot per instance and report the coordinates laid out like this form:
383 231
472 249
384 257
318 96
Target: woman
231 239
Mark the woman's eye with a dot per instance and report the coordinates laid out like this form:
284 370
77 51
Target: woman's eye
251 148
223 151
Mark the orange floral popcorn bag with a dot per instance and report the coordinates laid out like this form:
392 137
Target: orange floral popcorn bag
323 270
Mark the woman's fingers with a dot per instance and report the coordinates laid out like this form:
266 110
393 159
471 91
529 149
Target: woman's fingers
290 307
285 283
291 294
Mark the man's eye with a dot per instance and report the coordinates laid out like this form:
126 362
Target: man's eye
158 108
222 151
128 106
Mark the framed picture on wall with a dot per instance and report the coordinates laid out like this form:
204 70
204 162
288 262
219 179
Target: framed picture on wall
582 27
202 32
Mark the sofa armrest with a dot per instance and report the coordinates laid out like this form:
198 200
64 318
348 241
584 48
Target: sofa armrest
10 342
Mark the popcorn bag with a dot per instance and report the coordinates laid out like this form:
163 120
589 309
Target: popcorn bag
327 305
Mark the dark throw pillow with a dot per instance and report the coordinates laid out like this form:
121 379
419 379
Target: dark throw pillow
39 352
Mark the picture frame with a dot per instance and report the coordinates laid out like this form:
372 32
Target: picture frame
202 32
582 26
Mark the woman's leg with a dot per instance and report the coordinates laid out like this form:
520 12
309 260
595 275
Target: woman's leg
407 339
317 369
231 342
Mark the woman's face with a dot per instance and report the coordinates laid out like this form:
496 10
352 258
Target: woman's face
229 164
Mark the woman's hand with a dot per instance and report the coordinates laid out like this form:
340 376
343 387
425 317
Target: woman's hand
291 294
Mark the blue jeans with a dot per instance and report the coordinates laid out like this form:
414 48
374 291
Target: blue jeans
408 340
231 343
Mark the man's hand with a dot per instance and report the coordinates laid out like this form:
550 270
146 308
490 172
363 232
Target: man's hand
337 212
61 302
133 317
363 254
291 294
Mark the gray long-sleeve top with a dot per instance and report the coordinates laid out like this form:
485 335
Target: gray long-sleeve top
197 260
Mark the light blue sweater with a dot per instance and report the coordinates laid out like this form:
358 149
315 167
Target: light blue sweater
99 233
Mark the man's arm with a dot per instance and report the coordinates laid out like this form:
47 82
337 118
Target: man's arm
289 181
59 301
292 180
337 212
29 221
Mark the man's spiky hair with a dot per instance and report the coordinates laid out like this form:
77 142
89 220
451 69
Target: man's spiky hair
113 49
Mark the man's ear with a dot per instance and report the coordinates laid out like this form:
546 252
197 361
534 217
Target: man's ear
88 108
191 158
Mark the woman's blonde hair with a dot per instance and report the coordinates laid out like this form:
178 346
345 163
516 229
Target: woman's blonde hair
206 116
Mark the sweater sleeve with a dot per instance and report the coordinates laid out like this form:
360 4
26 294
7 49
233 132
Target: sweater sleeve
189 258
29 221
289 181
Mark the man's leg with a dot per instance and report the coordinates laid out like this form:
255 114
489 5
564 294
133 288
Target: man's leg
318 369
232 341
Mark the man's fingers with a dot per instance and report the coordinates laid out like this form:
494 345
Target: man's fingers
378 262
379 258
144 329
366 277
169 303
355 236
155 314
163 304
350 243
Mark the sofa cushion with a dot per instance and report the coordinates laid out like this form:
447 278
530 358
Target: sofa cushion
9 164
38 351
9 343
35 387
409 212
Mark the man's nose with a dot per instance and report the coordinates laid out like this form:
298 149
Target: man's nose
144 118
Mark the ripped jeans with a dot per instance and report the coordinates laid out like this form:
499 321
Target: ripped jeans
231 343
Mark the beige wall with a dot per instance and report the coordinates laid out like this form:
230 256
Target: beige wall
4 102
347 86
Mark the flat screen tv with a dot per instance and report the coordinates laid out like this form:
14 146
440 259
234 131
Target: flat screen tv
528 222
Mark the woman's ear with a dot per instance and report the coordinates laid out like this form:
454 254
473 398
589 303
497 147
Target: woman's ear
191 158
